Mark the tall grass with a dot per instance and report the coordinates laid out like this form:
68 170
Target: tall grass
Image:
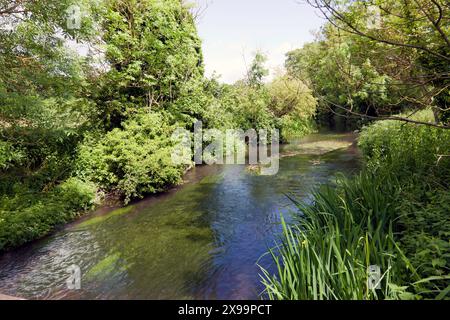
327 254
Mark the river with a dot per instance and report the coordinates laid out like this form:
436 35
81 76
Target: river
201 240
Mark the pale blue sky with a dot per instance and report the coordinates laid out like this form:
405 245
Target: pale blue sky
232 29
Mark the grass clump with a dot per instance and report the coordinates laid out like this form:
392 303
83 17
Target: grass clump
326 255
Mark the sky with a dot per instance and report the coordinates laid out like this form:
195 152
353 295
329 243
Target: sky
233 30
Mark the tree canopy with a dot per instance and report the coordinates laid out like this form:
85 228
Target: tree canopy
376 58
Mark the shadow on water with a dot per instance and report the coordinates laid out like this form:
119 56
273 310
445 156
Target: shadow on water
199 241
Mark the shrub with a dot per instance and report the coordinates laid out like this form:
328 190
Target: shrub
9 156
26 216
135 160
425 231
407 149
292 102
76 193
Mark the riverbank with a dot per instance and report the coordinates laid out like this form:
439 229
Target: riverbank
393 216
27 215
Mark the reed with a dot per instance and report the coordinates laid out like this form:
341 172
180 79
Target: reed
326 254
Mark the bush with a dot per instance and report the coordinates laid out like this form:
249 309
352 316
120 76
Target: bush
9 156
135 160
407 149
292 102
251 108
425 230
418 156
26 215
76 193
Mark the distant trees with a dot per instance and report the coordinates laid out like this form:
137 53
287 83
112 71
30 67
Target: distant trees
375 58
293 103
257 70
285 103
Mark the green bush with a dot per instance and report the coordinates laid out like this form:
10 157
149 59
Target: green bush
407 149
135 160
76 193
25 215
294 104
424 223
419 157
9 156
251 108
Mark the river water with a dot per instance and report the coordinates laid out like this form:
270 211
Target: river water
202 240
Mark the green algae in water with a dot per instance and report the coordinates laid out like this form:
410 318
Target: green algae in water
99 219
170 240
104 267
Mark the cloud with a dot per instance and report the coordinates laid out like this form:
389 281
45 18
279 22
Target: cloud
226 59
230 60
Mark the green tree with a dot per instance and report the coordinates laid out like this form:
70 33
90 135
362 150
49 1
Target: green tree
154 55
257 70
345 74
292 102
41 82
412 36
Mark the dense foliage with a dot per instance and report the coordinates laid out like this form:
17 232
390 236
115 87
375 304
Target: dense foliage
418 159
378 58
98 104
135 159
75 126
26 215
155 60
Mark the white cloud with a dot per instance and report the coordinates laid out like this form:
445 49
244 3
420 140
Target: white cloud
226 59
230 60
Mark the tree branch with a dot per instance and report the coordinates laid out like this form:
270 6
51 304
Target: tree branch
354 30
397 118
